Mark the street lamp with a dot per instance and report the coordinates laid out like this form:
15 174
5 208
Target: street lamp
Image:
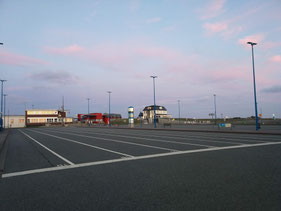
88 109
254 80
179 111
5 109
153 77
109 92
2 82
215 103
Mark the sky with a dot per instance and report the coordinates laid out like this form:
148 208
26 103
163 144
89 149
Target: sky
196 48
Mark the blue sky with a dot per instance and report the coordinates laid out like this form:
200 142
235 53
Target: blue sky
81 49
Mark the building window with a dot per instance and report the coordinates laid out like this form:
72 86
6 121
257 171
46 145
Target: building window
12 121
49 120
21 120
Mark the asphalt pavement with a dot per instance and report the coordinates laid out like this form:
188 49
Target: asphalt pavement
107 169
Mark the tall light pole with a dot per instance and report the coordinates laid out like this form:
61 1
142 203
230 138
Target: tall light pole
88 109
215 103
153 77
179 111
5 109
109 117
2 82
254 80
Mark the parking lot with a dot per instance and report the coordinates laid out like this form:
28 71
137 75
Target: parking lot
119 169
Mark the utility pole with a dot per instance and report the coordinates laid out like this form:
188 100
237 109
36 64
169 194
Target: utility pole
254 80
5 110
2 82
109 117
62 108
215 102
88 110
179 111
153 77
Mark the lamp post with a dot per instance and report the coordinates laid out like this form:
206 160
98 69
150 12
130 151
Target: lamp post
2 82
88 109
153 77
179 111
109 117
254 80
5 109
215 103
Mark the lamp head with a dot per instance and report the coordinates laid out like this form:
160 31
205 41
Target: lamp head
251 43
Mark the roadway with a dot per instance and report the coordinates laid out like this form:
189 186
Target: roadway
109 169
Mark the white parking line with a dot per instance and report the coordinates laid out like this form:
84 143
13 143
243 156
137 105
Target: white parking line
172 137
89 145
157 140
124 142
54 153
134 158
249 138
198 136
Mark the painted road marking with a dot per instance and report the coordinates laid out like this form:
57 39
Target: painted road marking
157 140
236 139
134 158
54 153
252 138
107 139
173 137
89 145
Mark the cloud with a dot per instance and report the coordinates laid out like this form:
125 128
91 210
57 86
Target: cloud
269 45
134 5
273 89
66 50
55 77
212 10
153 20
232 32
276 58
170 28
215 27
19 60
252 38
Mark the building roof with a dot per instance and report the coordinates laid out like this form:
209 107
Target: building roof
157 107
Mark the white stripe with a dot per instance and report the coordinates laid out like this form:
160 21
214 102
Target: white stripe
134 158
223 136
151 139
238 140
173 137
56 154
107 139
77 142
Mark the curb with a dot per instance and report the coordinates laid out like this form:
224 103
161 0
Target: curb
204 131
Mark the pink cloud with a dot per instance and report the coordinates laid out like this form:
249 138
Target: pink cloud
215 27
270 44
257 38
19 60
276 58
232 32
66 50
153 20
214 9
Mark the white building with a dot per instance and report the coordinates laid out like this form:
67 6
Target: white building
41 117
14 121
160 111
